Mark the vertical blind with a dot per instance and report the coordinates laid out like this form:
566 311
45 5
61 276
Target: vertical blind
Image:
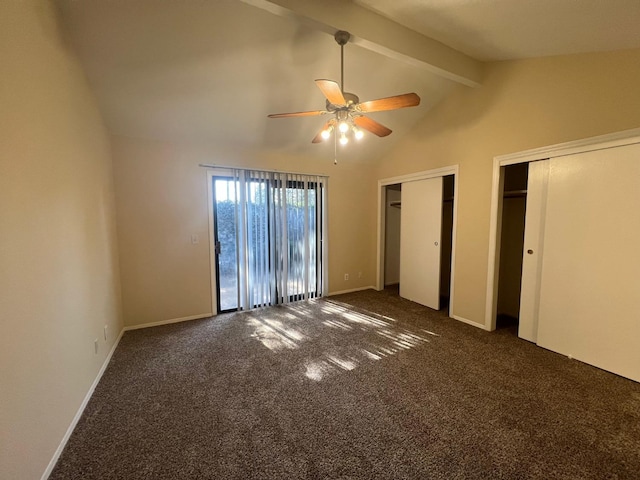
280 230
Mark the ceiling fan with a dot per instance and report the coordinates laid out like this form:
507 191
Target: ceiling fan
345 108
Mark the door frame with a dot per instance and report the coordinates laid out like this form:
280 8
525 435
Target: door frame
213 268
599 142
382 200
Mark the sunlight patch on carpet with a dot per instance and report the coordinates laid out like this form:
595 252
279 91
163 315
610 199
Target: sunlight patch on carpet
430 333
317 370
345 364
371 355
337 324
358 337
274 335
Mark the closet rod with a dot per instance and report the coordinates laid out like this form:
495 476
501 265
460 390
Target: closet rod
515 193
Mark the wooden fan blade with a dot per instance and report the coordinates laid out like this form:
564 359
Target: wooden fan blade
298 114
318 138
372 126
332 91
389 103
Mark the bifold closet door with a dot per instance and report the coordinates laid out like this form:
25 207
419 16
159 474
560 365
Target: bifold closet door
420 238
590 289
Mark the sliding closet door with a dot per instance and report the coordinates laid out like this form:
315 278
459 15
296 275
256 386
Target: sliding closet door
532 253
420 236
590 293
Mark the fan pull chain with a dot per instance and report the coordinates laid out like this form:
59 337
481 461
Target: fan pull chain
335 149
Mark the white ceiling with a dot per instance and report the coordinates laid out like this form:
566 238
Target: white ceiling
211 71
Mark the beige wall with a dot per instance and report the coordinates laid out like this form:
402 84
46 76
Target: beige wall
521 105
58 269
161 196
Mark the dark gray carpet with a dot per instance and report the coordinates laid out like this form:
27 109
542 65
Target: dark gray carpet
328 389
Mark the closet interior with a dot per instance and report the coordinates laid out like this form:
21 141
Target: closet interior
448 187
514 200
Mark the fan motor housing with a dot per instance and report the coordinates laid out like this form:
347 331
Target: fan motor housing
351 98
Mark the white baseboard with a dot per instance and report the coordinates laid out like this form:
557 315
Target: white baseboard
470 322
83 405
359 289
166 322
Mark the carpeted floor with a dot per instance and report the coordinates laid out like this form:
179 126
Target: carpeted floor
329 390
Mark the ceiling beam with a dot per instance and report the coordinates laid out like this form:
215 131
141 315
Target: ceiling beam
379 34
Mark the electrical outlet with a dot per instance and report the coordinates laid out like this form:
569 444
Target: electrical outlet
105 333
95 346
346 276
359 274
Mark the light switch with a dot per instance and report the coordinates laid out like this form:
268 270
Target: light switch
194 239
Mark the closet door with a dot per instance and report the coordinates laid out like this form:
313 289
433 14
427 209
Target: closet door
590 292
420 237
532 252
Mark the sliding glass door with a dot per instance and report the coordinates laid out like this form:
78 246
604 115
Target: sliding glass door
226 247
268 232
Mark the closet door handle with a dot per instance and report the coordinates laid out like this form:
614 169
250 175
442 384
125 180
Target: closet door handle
530 252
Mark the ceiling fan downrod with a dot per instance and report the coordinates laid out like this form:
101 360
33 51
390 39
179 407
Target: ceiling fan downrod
342 38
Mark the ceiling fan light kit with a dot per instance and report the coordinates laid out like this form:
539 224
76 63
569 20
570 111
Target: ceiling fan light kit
348 119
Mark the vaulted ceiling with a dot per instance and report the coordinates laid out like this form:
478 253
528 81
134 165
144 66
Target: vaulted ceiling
210 71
